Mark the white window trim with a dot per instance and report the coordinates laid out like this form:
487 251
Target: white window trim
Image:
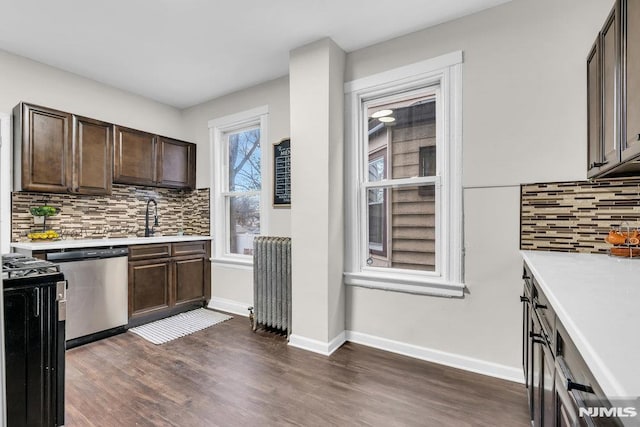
217 128
445 71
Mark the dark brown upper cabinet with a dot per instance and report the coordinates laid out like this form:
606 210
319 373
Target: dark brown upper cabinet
610 58
594 110
631 79
57 152
134 157
141 158
92 156
176 163
614 129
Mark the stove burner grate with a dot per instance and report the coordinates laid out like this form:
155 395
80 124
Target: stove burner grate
18 265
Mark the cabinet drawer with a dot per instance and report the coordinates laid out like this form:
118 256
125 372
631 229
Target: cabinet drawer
139 252
189 248
578 370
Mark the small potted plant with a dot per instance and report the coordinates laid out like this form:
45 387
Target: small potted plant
41 213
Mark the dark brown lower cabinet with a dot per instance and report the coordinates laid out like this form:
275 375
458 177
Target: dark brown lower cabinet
562 389
189 279
149 286
161 285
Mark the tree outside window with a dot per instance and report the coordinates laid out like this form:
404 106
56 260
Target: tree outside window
243 192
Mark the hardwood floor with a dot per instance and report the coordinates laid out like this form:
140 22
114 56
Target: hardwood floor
227 375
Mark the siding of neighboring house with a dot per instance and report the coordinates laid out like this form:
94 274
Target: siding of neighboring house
411 214
413 209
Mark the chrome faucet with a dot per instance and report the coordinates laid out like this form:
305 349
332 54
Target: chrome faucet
149 231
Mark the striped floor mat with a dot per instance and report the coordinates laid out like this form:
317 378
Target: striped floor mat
165 330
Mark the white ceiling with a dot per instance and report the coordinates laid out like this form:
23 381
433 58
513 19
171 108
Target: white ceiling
184 52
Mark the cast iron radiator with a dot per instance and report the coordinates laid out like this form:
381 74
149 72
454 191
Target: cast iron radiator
271 284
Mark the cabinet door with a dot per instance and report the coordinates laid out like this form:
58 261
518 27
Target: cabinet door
594 111
526 341
609 50
189 277
176 163
149 286
92 156
134 157
548 397
46 144
631 31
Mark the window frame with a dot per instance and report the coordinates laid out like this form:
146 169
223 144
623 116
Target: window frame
218 130
444 74
381 154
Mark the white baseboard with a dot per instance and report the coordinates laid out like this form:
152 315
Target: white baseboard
422 353
324 348
437 356
229 306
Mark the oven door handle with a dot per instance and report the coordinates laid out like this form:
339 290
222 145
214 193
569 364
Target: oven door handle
61 298
36 308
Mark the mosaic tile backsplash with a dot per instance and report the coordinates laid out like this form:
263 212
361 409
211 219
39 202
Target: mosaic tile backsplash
576 216
121 214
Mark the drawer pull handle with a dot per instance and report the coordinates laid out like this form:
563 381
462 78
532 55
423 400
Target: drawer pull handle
541 306
537 338
565 372
577 386
524 299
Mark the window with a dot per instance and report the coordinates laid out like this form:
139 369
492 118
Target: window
404 180
377 203
239 199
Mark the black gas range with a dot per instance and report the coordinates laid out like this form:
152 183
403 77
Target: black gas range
34 328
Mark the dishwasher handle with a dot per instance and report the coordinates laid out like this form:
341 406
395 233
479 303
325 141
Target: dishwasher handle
87 254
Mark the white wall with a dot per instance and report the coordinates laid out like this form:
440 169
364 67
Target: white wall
6 140
524 120
232 283
22 79
524 85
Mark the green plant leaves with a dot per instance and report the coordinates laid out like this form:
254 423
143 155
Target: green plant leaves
43 211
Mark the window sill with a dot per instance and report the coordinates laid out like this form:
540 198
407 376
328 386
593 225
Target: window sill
423 286
238 263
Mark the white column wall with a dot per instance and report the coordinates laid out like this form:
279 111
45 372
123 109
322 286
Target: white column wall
316 102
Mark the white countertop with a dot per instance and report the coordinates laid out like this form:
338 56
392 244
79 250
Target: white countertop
92 243
597 299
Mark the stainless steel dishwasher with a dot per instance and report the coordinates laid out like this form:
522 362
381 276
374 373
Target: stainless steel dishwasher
96 294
